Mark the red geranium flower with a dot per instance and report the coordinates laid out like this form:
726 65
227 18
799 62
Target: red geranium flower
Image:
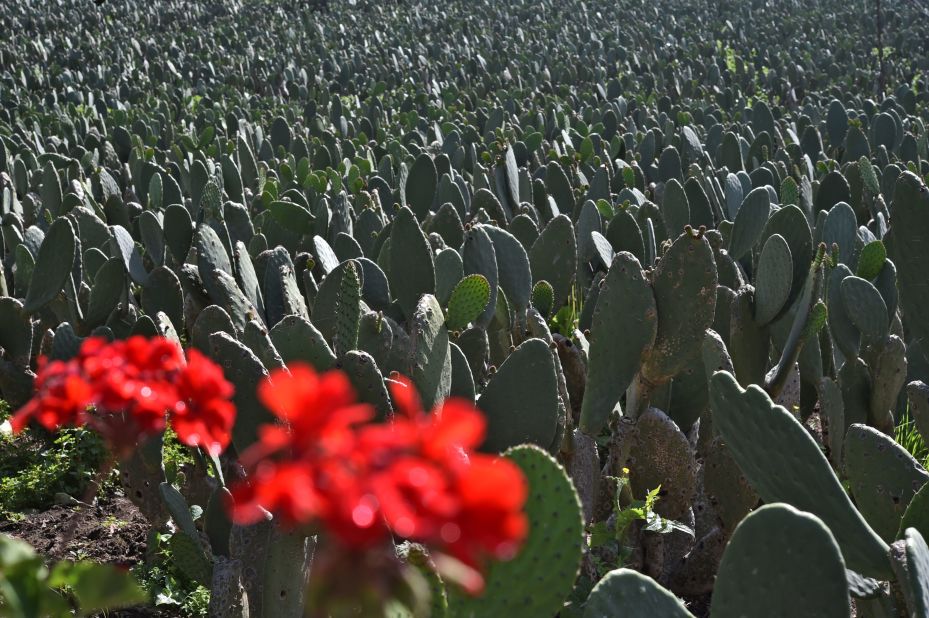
202 413
62 397
127 389
416 477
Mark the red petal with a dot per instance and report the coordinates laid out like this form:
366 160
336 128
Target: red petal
405 397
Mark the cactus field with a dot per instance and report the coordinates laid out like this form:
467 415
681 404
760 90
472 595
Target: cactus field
464 308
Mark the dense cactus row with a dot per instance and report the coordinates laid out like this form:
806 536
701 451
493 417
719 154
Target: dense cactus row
689 253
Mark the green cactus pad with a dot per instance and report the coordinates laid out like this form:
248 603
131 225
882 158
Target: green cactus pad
430 359
448 272
623 327
468 301
285 571
152 236
447 224
781 562
630 594
247 278
661 456
883 478
179 231
675 209
513 271
916 589
417 556
245 371
292 217
53 265
855 382
216 522
144 326
108 290
886 284
749 342
16 334
906 241
65 342
521 399
347 309
162 292
792 224
726 487
411 271
844 332
773 280
553 258
624 234
179 509
832 410
326 311
224 291
758 434
749 222
689 394
525 230
298 340
840 227
258 340
280 290
519 587
543 298
918 395
917 513
188 555
871 261
479 257
865 308
212 319
475 345
211 254
419 186
888 374
367 380
684 284
462 379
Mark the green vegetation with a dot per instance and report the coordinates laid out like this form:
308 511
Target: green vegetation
34 467
168 587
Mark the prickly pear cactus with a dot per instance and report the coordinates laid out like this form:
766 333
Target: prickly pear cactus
757 432
883 478
624 326
521 399
775 549
625 592
519 587
467 302
684 284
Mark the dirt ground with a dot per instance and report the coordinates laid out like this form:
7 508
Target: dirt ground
113 532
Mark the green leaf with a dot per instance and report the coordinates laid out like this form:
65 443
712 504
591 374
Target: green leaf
97 586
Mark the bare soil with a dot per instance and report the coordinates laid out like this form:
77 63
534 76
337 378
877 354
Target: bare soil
113 531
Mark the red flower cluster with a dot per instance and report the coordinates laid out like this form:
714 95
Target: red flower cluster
127 389
416 477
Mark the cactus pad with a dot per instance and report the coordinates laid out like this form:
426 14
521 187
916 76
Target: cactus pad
759 433
781 562
883 478
468 301
520 587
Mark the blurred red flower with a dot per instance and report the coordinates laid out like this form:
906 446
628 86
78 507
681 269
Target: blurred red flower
129 388
416 477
